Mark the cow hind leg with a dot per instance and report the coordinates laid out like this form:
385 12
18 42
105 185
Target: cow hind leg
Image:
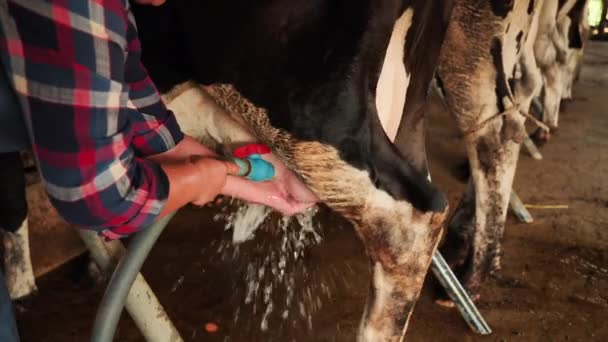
13 221
398 238
550 98
460 230
495 154
473 246
20 278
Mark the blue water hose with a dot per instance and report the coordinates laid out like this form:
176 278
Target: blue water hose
114 298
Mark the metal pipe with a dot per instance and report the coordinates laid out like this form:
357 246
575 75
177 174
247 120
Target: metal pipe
121 289
458 295
142 304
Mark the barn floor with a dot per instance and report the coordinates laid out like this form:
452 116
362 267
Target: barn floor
553 287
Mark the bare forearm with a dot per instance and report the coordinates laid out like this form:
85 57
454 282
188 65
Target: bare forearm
185 185
196 180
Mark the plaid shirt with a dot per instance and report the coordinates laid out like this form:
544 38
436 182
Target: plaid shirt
93 112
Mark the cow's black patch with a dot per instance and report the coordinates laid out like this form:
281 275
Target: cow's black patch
575 40
530 6
576 15
518 40
13 204
502 88
397 177
512 81
508 28
440 84
400 318
501 8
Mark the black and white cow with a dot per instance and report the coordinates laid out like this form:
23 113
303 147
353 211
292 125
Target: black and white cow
488 76
329 83
14 231
577 26
307 78
558 50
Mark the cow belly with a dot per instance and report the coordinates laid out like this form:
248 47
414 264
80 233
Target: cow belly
392 84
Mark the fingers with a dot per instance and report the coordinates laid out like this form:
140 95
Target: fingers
266 193
289 182
248 190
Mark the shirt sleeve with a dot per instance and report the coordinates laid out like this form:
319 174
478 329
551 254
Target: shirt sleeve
92 111
154 127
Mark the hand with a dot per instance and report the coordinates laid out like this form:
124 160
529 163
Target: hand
214 172
285 192
195 175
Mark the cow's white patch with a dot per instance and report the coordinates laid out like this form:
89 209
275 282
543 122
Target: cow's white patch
200 117
394 80
383 286
406 238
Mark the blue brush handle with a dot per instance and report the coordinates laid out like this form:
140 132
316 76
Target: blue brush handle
255 168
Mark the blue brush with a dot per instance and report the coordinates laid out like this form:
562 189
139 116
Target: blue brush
254 168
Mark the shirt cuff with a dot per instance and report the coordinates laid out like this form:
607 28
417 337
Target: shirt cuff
146 217
166 135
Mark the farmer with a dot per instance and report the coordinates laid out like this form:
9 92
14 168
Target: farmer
111 156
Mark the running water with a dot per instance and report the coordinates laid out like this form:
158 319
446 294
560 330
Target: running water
279 286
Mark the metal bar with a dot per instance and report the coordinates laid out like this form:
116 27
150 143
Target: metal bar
456 292
459 296
518 208
128 286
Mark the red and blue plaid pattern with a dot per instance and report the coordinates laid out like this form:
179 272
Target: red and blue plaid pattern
93 112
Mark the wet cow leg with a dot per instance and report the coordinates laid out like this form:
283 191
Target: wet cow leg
399 239
20 278
550 49
476 68
13 221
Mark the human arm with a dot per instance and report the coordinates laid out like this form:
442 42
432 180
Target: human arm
89 137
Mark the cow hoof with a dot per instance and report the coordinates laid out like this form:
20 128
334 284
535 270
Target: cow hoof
540 137
462 172
22 290
24 300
